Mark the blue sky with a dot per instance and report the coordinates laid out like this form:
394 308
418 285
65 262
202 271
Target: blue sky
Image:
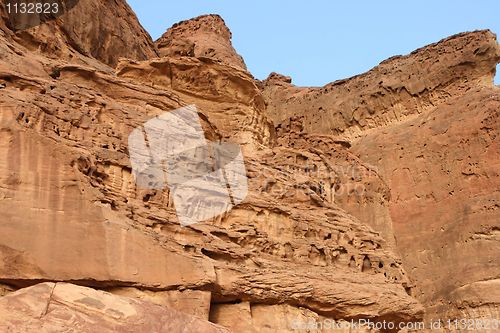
316 42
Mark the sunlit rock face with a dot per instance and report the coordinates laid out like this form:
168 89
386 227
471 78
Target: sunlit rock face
373 197
59 307
428 123
205 36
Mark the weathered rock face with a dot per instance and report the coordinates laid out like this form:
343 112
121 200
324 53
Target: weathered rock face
443 171
315 237
428 125
228 97
63 307
193 302
205 36
400 87
86 29
68 196
281 318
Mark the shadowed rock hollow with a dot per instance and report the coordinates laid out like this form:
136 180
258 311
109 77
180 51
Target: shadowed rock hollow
373 197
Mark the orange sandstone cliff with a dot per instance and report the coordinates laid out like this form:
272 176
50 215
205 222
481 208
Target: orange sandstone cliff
374 197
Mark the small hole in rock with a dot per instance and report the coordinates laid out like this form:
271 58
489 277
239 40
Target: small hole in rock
56 73
147 197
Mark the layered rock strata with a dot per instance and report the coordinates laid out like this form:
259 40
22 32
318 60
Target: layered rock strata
336 224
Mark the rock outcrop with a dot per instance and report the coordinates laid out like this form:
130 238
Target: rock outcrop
205 36
428 125
320 233
443 171
399 88
63 307
86 28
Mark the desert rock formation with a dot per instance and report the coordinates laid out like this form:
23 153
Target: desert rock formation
63 307
205 36
329 230
429 124
86 29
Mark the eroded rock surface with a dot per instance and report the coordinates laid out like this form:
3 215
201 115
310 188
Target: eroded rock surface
427 125
205 36
399 88
320 231
63 307
443 172
87 29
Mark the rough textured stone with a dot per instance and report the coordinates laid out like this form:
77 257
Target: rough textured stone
63 307
427 125
66 173
399 88
443 171
280 318
205 36
228 97
386 166
86 29
193 302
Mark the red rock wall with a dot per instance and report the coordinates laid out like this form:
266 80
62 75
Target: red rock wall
359 210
